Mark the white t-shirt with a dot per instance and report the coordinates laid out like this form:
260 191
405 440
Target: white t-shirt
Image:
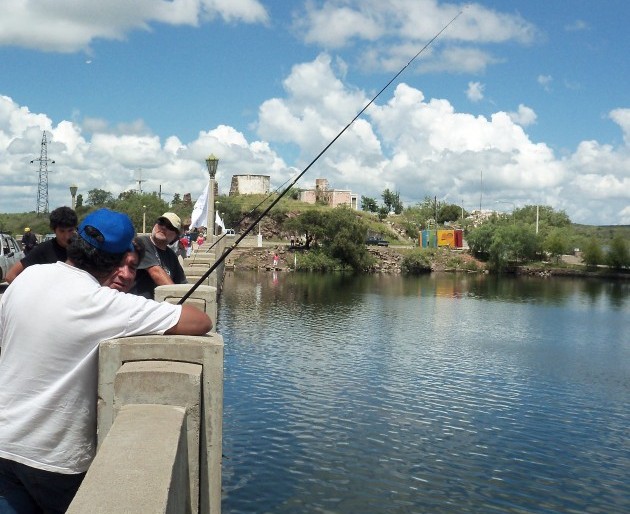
52 319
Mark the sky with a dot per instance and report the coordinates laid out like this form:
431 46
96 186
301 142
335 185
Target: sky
515 103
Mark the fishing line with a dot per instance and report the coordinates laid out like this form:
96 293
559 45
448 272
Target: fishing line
230 248
246 215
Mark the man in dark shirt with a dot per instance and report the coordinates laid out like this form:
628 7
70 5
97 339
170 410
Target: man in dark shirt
28 240
63 222
159 265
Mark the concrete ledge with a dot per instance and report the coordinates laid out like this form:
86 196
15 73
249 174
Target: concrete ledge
204 298
141 466
194 272
204 350
177 384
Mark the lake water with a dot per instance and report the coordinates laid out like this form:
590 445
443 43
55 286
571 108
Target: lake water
444 393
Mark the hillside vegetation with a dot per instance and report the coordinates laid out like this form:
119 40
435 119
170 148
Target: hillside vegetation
337 236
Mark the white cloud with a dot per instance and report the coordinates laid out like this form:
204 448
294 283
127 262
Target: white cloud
475 91
525 116
416 145
423 146
545 81
72 25
402 27
622 118
576 26
110 160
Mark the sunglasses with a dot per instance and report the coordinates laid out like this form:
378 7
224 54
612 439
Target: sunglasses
164 223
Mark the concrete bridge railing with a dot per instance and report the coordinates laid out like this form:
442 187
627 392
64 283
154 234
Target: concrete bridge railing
160 411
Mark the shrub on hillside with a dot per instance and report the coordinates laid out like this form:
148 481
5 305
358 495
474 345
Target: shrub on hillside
416 263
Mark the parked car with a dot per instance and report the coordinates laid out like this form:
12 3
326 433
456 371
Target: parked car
376 241
10 253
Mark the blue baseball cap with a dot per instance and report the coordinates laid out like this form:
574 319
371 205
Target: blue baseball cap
108 230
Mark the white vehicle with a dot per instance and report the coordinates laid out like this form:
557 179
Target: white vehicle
10 253
229 232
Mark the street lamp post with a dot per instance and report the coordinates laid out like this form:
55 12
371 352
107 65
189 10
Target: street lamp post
211 163
144 219
73 193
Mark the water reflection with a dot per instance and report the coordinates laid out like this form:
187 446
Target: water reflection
449 393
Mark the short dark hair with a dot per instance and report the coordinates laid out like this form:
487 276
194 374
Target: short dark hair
63 217
96 262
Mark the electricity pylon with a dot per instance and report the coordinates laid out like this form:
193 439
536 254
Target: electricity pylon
42 188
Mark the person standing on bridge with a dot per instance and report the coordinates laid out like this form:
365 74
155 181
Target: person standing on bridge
63 222
49 368
159 266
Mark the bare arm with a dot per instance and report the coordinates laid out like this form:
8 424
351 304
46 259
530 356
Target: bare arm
192 322
15 270
159 276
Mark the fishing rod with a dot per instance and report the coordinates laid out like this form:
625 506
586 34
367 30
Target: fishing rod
230 248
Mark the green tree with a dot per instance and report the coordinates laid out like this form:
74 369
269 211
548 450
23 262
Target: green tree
592 254
99 198
546 216
382 212
338 233
368 204
79 201
556 243
618 256
310 223
449 212
177 200
343 238
480 240
389 198
500 243
143 208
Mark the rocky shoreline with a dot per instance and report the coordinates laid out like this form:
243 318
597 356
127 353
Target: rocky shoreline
389 260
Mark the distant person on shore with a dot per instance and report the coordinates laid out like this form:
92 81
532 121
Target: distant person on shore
52 320
63 222
159 266
29 240
275 259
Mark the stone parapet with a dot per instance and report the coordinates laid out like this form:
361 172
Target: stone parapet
142 465
120 384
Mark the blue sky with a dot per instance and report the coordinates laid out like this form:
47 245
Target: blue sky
531 94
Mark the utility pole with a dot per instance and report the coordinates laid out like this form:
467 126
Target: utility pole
42 187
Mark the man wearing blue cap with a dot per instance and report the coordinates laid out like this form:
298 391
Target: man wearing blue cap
48 368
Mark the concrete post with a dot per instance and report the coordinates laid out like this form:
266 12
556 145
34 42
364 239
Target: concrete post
204 298
141 467
206 351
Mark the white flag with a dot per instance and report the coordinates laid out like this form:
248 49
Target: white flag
219 221
200 210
